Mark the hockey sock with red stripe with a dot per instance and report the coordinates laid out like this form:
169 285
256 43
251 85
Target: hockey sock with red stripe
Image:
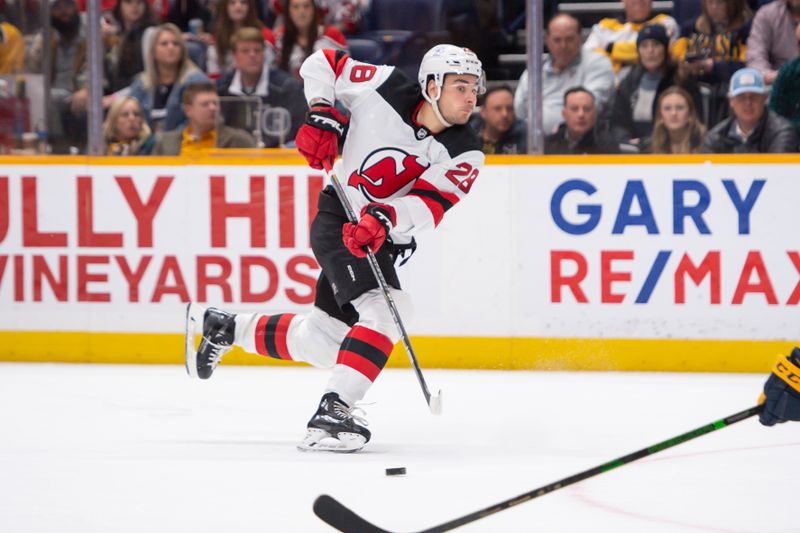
264 334
366 351
270 335
362 355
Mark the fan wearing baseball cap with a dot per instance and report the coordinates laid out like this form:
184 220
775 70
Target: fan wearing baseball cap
750 127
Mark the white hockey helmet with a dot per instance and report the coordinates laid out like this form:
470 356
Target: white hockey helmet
445 59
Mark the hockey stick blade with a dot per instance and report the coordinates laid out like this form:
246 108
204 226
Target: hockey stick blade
435 403
340 517
189 352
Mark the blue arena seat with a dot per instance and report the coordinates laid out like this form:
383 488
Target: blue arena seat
412 15
197 53
685 10
405 29
366 50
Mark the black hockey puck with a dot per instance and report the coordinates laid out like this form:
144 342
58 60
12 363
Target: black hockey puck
396 471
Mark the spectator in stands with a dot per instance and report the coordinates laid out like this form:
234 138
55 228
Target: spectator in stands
167 71
182 11
634 105
712 47
69 93
493 40
201 134
751 127
460 18
25 16
500 132
784 98
125 131
567 65
302 34
344 14
774 37
578 134
159 8
124 59
105 5
252 76
194 18
617 39
12 49
677 128
231 16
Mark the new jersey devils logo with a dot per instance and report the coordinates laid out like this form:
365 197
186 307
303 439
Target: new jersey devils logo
387 172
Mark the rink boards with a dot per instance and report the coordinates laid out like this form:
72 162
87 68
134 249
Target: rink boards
604 262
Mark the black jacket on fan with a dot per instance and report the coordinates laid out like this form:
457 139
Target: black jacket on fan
623 126
276 89
514 141
773 134
591 143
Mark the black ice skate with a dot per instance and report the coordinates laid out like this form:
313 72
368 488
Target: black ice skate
335 428
217 340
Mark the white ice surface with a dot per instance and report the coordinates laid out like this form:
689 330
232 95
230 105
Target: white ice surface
106 448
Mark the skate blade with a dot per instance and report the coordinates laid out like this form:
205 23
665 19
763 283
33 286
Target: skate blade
318 440
189 351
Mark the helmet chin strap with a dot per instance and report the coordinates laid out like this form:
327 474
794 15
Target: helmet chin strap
439 117
435 106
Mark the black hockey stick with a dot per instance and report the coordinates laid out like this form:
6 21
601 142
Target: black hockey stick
343 519
434 401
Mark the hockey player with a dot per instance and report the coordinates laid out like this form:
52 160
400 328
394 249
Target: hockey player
408 157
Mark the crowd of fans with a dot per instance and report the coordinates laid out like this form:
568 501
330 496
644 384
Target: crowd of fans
179 75
725 80
183 76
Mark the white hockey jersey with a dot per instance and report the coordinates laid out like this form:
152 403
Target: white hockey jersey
388 156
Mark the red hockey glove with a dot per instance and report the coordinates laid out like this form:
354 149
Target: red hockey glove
318 138
377 220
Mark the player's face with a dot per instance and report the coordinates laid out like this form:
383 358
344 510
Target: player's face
579 113
498 111
237 10
674 112
129 121
202 112
459 96
249 57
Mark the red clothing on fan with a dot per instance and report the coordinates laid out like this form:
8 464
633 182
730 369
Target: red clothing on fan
160 7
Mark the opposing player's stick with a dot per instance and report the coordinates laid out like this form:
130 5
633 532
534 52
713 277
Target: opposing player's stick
343 519
434 402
